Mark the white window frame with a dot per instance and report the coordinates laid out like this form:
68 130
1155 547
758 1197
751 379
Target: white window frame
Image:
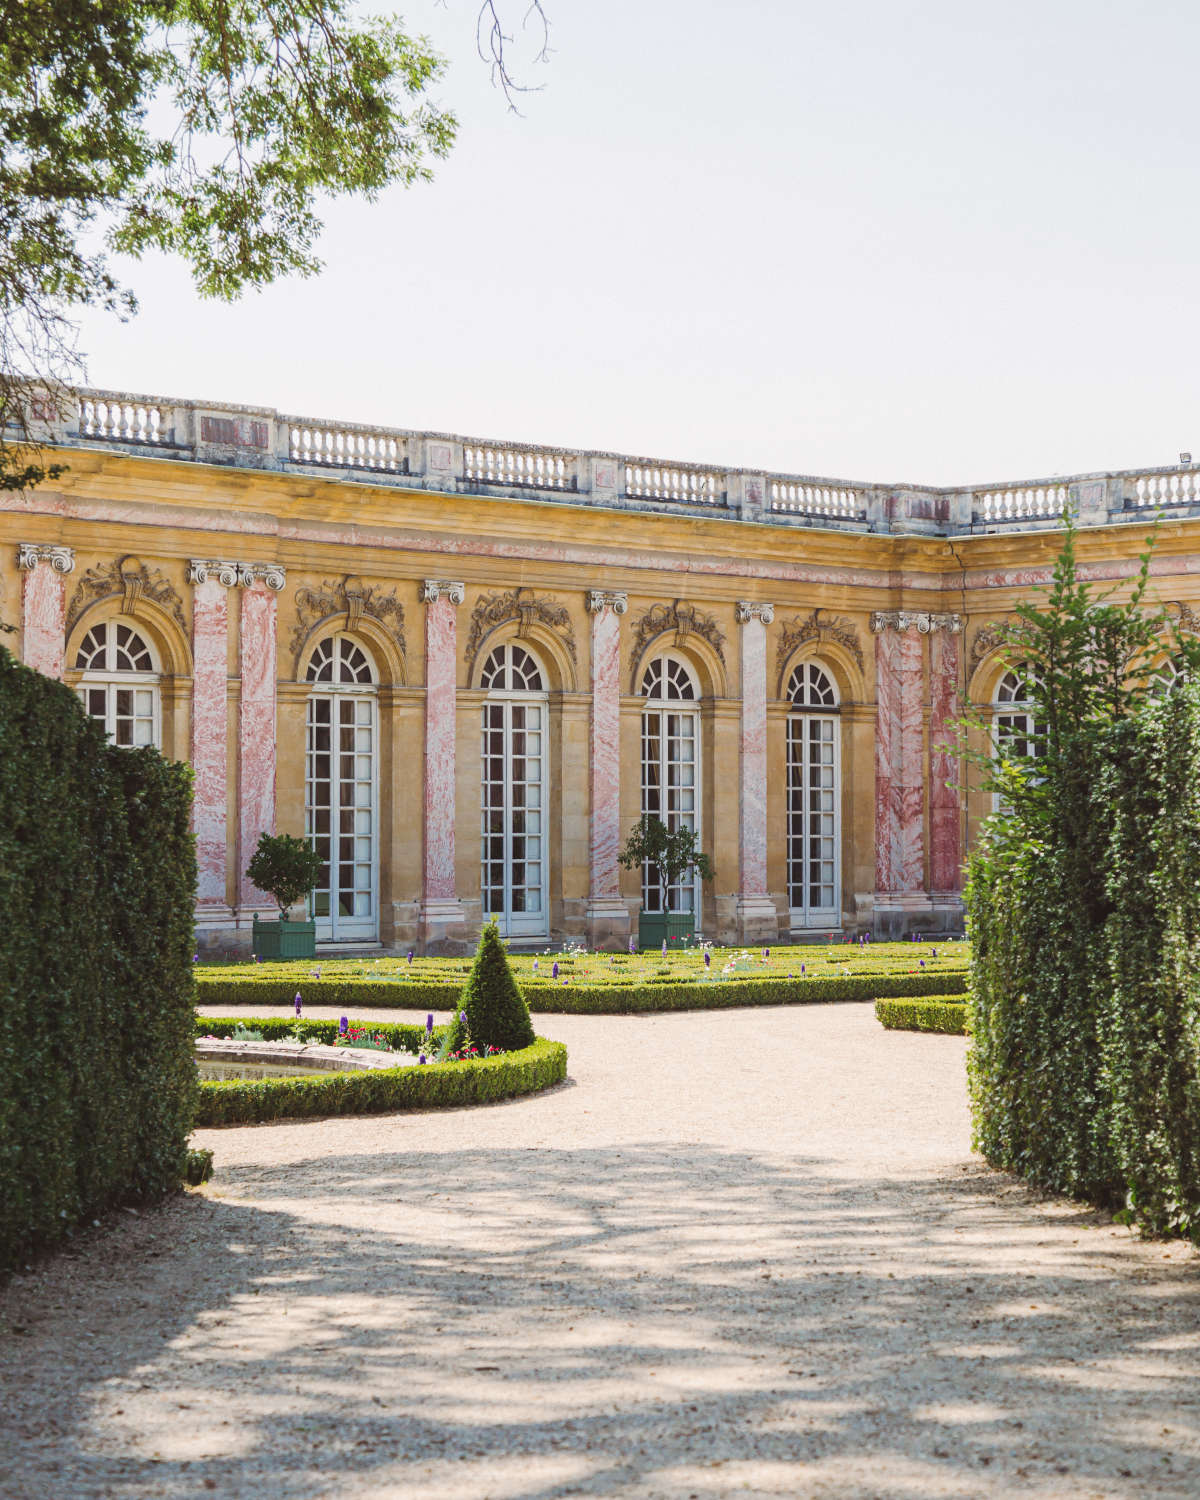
799 718
110 682
682 707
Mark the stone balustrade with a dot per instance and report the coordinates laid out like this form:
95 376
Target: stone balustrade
254 437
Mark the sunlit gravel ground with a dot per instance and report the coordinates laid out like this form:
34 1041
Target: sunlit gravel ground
738 1253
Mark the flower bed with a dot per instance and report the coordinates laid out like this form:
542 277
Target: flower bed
944 1013
608 984
447 1085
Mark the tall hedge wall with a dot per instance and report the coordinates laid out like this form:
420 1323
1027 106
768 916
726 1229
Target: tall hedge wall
97 875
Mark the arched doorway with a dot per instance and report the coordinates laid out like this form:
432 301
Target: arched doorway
341 790
513 793
670 771
814 833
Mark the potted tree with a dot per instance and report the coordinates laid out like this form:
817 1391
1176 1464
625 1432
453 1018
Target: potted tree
670 853
286 868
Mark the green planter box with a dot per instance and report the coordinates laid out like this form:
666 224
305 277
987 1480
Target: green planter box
677 927
283 940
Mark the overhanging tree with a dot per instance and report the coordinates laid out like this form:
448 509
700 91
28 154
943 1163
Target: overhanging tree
210 129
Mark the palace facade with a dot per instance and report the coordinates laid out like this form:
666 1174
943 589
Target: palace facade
465 668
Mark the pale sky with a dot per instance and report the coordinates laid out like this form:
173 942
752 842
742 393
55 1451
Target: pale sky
944 243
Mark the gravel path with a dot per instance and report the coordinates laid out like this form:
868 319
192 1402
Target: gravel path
738 1253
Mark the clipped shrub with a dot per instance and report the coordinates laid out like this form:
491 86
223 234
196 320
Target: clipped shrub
199 1167
625 997
497 1014
944 1013
385 1090
403 1036
97 875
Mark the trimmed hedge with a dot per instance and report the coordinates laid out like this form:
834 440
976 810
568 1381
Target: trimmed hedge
944 1013
402 1035
97 875
385 1090
616 999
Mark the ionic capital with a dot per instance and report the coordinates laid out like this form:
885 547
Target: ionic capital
598 600
433 589
200 569
61 559
274 575
920 620
747 610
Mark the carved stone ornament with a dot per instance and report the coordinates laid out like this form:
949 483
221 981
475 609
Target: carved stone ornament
133 580
199 571
805 628
433 589
274 575
746 610
684 619
598 600
353 598
1187 618
61 559
906 619
492 610
984 641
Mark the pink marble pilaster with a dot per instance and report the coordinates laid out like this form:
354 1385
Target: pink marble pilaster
757 918
899 754
210 626
44 605
607 914
945 813
441 912
256 722
887 719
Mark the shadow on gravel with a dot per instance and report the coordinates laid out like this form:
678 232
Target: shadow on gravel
528 1325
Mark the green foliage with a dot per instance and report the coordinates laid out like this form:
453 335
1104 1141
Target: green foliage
945 1013
262 109
669 852
97 878
1149 1011
286 868
401 1036
385 1090
199 1167
624 998
497 1015
1049 891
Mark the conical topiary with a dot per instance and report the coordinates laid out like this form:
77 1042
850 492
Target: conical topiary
495 1007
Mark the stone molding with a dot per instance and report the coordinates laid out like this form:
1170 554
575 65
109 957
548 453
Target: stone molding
493 610
354 599
433 589
598 600
274 575
920 620
985 640
61 559
1187 618
746 610
803 629
129 577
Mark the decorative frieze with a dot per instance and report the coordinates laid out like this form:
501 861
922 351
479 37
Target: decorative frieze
985 640
746 610
919 620
813 627
433 589
492 610
129 577
353 598
30 554
598 600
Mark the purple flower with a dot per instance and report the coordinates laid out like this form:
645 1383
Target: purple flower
429 1024
421 1058
410 954
664 947
343 1023
554 972
297 1002
707 959
802 968
632 948
195 958
462 1016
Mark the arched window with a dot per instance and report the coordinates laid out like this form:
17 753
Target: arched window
120 683
1164 679
1012 711
341 779
513 862
814 819
670 771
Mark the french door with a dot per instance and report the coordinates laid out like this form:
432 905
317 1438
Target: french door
513 873
812 813
670 793
341 815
